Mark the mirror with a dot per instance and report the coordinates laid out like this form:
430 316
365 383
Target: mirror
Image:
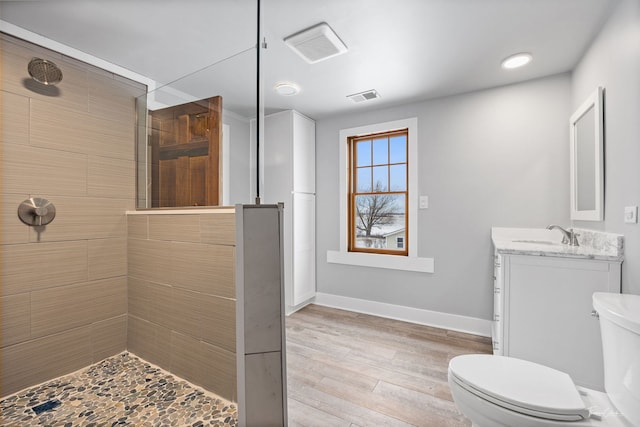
586 157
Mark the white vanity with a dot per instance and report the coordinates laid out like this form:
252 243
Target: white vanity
542 297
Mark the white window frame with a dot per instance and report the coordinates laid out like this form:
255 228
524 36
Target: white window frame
411 262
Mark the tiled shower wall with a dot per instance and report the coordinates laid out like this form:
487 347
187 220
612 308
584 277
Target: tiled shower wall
182 296
63 302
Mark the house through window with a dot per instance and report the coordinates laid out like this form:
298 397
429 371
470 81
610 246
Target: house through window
378 193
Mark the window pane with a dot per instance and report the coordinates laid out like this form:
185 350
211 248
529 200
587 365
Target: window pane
363 153
381 178
398 149
363 183
380 151
379 221
398 177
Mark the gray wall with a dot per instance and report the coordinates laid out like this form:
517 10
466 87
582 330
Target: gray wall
613 61
497 157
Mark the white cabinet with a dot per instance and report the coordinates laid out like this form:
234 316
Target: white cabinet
542 312
289 177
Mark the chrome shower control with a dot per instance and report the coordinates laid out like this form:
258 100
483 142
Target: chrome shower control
36 211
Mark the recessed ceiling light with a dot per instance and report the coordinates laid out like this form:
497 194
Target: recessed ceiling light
517 60
287 89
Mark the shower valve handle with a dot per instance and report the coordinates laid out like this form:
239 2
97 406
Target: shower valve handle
36 212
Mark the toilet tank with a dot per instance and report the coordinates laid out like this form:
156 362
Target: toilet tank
620 328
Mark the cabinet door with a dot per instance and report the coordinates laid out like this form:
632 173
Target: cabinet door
549 314
304 154
304 259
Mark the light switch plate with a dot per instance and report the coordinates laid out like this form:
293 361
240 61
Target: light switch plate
631 214
424 202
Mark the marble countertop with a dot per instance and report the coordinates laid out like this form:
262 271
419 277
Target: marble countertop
594 244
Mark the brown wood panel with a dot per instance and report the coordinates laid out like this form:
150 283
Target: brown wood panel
198 179
183 182
192 131
167 182
361 370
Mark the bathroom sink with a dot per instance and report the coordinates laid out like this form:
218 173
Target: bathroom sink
536 242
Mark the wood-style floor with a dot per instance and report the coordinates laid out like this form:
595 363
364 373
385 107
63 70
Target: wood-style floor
355 370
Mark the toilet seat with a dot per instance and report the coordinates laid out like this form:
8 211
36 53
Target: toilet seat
520 386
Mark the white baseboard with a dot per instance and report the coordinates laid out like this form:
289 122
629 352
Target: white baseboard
454 322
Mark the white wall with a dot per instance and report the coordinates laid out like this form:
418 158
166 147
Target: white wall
497 157
613 61
239 155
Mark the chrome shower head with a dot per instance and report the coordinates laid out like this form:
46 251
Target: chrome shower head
45 72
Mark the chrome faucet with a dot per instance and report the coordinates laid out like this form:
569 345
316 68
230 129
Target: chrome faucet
568 237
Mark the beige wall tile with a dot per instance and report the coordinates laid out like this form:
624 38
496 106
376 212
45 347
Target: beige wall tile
69 223
107 258
106 217
149 341
218 321
218 229
14 116
186 312
15 319
59 127
79 218
13 230
113 98
162 304
150 301
111 138
62 308
109 296
181 228
108 337
42 265
204 365
33 362
72 92
109 177
187 358
149 260
141 338
138 298
43 172
214 273
220 372
137 226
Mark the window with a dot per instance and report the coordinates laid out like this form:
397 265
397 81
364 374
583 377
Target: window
410 262
400 242
378 192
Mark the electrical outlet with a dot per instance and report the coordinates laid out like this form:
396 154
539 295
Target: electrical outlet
631 214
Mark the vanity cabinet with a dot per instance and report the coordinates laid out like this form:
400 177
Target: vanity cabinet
543 311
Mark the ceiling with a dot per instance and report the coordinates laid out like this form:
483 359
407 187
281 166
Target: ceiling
407 50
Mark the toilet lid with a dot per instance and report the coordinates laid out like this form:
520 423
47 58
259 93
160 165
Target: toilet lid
520 386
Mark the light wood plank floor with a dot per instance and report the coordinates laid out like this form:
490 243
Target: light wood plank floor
355 370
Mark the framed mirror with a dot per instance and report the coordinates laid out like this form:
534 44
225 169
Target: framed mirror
586 160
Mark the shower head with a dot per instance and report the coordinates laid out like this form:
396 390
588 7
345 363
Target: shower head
45 72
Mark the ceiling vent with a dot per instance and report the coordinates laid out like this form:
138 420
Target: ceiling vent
316 44
364 96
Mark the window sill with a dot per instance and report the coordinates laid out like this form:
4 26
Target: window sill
393 262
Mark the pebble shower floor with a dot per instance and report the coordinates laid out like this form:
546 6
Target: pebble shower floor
122 390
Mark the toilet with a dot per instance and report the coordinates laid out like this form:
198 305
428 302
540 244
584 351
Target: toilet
498 391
